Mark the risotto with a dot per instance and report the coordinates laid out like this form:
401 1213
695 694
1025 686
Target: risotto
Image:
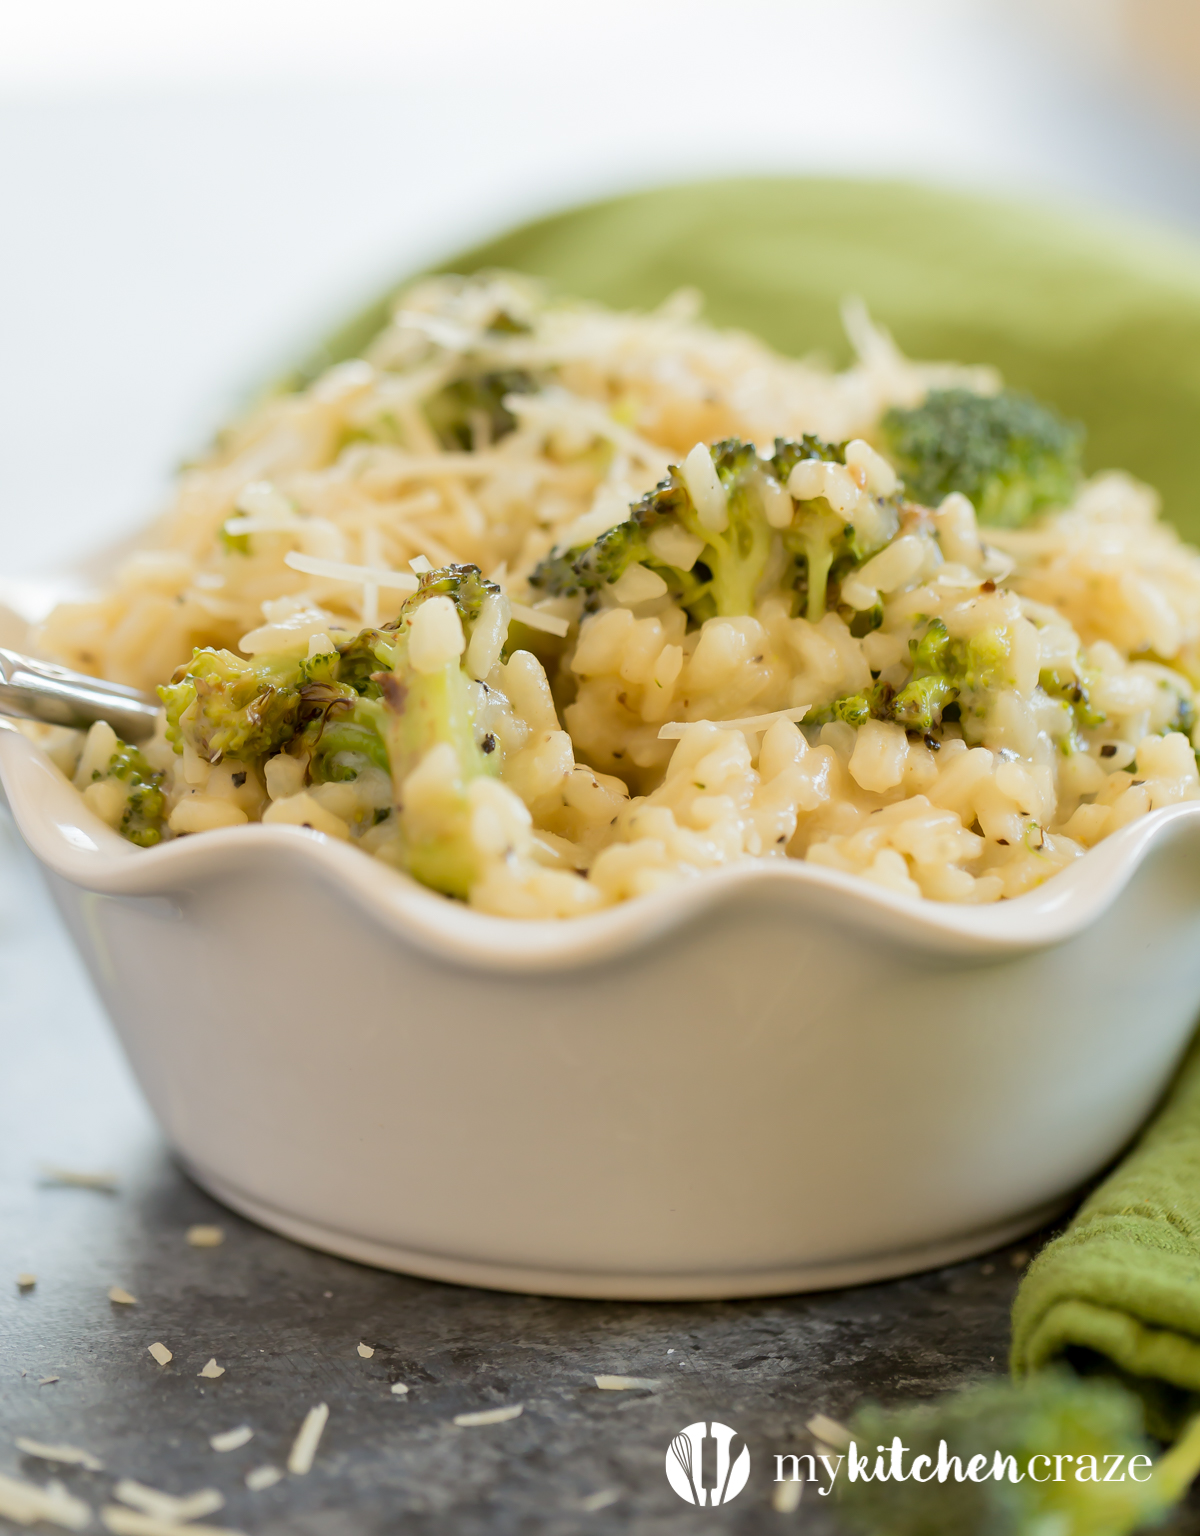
550 606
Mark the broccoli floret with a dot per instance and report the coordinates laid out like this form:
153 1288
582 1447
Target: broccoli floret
1012 455
1056 1415
727 565
944 672
223 706
426 709
473 407
145 809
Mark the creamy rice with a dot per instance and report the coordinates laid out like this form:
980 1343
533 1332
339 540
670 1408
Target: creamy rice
488 426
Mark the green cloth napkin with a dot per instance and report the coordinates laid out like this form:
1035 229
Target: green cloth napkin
1100 318
1119 1290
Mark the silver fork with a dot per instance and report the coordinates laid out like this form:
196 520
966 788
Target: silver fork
38 690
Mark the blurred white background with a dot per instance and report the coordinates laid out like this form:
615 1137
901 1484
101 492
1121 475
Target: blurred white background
190 192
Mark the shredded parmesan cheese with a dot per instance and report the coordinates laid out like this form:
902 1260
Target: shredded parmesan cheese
354 575
304 1447
674 730
212 1370
161 1353
786 1498
489 1416
71 1455
231 1439
129 1522
263 1477
365 1351
74 1179
535 619
821 1427
205 1237
25 1502
121 1296
399 1389
627 1383
167 1506
26 1281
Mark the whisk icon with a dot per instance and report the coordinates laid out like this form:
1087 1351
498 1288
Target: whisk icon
684 1464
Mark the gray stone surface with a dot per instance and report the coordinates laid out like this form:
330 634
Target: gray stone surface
285 1322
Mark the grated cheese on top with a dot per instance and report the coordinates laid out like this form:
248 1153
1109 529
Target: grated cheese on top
354 575
675 730
627 1383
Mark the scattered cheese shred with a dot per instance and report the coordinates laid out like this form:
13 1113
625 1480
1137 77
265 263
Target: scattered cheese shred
355 575
212 1370
786 1498
489 1416
25 1502
70 1454
822 1427
420 565
47 1381
161 1353
121 1296
535 619
205 1237
675 729
304 1448
26 1281
627 1383
263 1477
366 1351
231 1439
130 1522
599 1500
399 1389
167 1506
75 1179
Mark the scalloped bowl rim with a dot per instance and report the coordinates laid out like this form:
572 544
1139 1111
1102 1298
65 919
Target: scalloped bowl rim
74 843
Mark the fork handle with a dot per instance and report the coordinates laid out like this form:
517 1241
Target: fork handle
39 690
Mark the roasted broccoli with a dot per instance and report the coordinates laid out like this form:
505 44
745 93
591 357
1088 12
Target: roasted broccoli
713 556
1056 1453
1011 455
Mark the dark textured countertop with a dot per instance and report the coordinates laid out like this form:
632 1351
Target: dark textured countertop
286 1322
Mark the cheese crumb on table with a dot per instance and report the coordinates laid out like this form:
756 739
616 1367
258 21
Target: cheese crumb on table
205 1237
231 1439
305 1446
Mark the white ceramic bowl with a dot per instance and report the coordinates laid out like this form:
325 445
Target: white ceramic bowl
770 1079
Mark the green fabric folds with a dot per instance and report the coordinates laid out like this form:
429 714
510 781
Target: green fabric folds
1119 1290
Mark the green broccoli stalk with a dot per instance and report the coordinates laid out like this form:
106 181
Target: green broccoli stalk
1032 1460
715 566
1010 454
430 703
